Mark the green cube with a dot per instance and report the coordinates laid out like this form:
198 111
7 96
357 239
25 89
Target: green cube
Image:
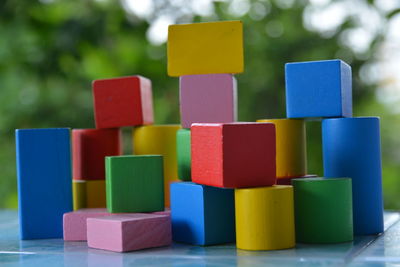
135 183
183 154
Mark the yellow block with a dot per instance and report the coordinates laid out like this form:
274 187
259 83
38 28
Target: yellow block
204 48
159 140
291 152
89 194
265 218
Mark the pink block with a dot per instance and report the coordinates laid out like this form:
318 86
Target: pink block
208 98
75 223
167 211
127 232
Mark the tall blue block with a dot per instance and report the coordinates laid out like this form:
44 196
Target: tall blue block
44 181
351 148
318 89
202 215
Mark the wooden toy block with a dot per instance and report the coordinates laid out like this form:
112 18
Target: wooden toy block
89 148
134 183
318 89
89 194
207 98
352 148
291 154
183 154
233 155
204 48
265 218
288 181
44 181
125 101
129 232
75 223
159 140
202 215
323 210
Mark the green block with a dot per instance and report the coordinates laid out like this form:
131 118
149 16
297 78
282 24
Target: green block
183 154
135 183
323 210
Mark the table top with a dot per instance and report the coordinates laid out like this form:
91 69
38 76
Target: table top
363 251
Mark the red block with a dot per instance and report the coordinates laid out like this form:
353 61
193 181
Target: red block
89 148
233 155
125 101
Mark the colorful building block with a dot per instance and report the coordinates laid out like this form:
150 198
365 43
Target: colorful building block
202 215
207 98
134 183
89 194
291 152
89 148
128 232
352 148
125 101
183 154
233 155
44 181
215 47
159 140
265 218
318 89
288 181
323 210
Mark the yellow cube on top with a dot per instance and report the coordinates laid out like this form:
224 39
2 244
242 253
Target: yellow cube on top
205 48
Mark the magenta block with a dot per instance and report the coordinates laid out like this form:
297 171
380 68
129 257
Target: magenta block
128 232
208 98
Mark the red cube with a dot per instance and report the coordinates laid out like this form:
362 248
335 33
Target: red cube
125 101
233 155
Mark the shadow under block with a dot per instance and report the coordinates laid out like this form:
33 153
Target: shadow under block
183 154
265 218
44 181
159 140
318 89
207 98
124 101
323 210
233 155
204 48
291 151
89 194
202 215
128 232
89 148
352 148
134 183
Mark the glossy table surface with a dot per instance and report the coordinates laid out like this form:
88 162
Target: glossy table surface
383 250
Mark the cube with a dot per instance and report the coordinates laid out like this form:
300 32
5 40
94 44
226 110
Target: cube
318 89
204 48
202 215
233 155
89 194
208 98
183 154
134 183
125 101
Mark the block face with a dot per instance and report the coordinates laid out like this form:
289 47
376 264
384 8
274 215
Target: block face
207 99
44 181
134 183
183 154
318 89
216 47
125 101
89 194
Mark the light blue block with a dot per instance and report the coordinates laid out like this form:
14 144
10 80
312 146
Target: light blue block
202 215
44 181
318 89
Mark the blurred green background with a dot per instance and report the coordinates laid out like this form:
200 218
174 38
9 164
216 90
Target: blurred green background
51 50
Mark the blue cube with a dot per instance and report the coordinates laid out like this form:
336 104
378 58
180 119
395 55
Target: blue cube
202 215
318 89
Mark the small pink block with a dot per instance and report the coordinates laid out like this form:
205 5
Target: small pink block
75 223
208 98
167 211
127 232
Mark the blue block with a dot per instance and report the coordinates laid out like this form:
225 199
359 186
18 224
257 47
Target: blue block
351 148
318 89
202 215
44 181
